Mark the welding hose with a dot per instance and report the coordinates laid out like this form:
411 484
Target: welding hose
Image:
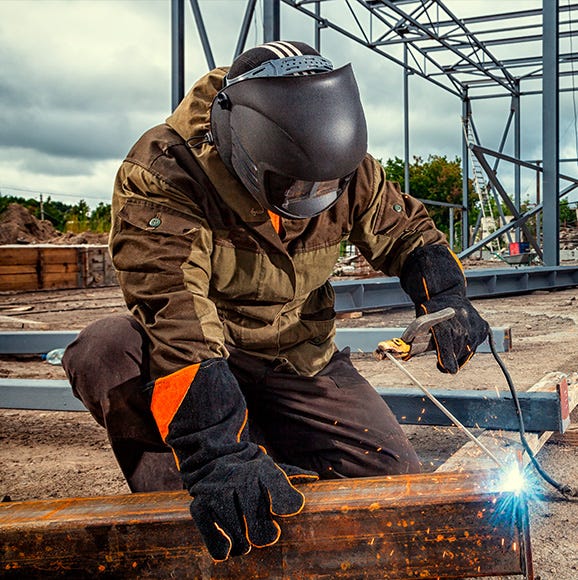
566 490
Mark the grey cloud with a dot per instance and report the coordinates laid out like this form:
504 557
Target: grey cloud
45 164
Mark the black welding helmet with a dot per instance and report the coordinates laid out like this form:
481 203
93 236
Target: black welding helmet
289 127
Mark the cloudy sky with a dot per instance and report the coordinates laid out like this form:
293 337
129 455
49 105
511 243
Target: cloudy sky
81 80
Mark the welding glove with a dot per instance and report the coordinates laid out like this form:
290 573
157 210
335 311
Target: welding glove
434 279
236 487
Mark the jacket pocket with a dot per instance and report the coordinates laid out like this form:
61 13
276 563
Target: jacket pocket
154 218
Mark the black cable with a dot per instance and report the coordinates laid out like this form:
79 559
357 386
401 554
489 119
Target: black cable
566 490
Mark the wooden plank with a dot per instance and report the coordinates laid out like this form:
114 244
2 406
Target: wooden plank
505 445
52 266
18 255
569 437
19 282
14 322
60 280
62 268
452 525
60 255
17 269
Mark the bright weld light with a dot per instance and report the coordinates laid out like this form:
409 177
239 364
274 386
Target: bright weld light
513 480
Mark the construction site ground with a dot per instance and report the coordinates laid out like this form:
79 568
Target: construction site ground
48 454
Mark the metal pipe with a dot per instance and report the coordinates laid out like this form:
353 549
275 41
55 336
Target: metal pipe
517 153
550 131
466 112
405 120
245 26
177 52
271 20
203 34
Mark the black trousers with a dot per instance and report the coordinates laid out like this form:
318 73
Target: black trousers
334 423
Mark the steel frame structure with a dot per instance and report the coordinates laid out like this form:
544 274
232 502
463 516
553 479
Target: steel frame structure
457 55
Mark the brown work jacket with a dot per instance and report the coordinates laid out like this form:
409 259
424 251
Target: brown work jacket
202 267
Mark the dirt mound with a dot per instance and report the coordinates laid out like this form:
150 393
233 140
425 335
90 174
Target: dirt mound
71 238
19 226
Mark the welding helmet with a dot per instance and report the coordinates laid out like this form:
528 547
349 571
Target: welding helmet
290 127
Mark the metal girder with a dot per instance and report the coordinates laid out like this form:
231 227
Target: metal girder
358 339
519 219
34 341
482 409
456 54
376 293
453 48
506 199
38 395
488 409
444 525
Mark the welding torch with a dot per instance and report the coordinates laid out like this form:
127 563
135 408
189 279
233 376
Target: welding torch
418 339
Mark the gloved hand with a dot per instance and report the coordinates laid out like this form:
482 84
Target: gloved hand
433 277
236 487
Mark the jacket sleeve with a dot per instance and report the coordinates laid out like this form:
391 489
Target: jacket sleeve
161 248
388 224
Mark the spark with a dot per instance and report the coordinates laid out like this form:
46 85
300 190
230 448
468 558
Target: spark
513 480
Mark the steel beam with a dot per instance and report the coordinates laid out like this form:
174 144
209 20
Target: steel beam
203 34
358 339
177 52
550 133
446 525
34 341
271 20
505 445
378 293
483 409
38 395
488 409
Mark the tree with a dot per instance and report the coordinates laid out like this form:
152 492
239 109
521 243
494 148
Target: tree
77 217
568 214
100 218
436 179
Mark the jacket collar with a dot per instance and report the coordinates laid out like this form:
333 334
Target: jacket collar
192 121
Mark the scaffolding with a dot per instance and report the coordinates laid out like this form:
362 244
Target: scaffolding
467 57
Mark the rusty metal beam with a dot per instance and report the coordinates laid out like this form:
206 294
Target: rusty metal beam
447 525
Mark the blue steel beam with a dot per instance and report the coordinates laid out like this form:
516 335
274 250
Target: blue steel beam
376 293
358 339
486 409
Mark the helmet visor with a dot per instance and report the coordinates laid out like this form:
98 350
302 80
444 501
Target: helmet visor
298 199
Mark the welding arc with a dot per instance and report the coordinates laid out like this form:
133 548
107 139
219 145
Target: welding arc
445 411
566 490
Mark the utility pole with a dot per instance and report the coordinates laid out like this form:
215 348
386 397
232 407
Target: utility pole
41 207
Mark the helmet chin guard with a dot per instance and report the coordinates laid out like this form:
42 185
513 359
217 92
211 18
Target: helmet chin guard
293 141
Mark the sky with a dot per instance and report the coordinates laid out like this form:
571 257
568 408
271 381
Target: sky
81 80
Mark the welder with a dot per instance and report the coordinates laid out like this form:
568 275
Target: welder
228 220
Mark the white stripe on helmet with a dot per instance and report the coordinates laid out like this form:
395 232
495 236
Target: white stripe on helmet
291 47
278 53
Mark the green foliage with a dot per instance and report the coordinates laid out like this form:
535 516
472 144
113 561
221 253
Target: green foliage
100 219
437 179
64 217
568 213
